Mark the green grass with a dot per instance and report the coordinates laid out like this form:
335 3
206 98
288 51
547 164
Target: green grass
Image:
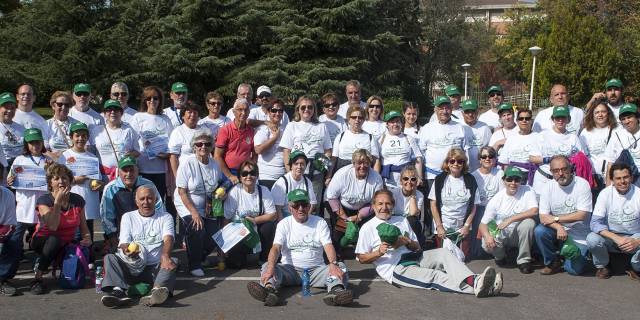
45 112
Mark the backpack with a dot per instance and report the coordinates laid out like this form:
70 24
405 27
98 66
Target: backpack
74 267
626 158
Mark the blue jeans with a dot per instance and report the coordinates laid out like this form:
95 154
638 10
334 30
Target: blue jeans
600 247
549 245
10 256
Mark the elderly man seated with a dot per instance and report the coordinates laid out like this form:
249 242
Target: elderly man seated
388 242
615 222
146 240
301 239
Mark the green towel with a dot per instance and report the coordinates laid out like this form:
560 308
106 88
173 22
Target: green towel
252 239
139 290
350 234
493 228
569 249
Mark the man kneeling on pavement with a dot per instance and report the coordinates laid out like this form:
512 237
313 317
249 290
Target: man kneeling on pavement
389 243
301 239
151 231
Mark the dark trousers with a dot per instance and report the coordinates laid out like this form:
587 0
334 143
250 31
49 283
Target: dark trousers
237 256
159 180
199 242
267 183
10 254
48 248
337 235
427 219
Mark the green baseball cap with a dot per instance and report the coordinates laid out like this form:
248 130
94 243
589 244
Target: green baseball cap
392 115
296 154
179 87
298 195
505 106
110 104
388 233
470 104
7 97
440 100
452 90
126 161
560 111
82 87
512 172
615 83
77 126
628 108
493 88
33 134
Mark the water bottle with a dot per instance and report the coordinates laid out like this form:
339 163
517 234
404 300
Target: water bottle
306 283
99 277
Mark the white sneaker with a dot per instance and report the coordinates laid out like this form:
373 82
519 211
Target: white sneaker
197 273
497 285
484 282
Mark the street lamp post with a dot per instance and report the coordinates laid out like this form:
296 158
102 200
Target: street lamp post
534 52
466 75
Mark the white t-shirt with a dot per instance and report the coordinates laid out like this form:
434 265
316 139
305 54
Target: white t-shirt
105 140
220 121
270 161
479 134
412 132
91 198
147 232
503 133
32 119
488 184
622 139
180 141
90 117
622 211
454 202
543 120
353 193
154 129
280 187
310 138
240 203
503 206
398 150
436 139
491 118
302 244
59 139
335 127
174 116
401 207
342 110
200 180
616 110
518 148
376 128
595 142
559 201
369 240
11 139
551 143
26 199
346 143
259 114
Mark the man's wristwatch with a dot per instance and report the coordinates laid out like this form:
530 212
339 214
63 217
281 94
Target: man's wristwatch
556 219
334 262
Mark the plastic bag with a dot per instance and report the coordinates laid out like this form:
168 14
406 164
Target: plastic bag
569 249
217 209
350 234
493 228
252 239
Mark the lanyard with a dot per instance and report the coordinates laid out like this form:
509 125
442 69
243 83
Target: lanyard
177 114
34 161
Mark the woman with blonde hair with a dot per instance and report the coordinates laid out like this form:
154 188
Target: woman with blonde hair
375 111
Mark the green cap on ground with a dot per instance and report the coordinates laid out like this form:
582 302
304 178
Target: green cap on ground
512 172
628 108
452 90
392 115
82 87
505 106
470 104
77 126
560 111
126 161
179 87
112 104
613 83
33 134
298 195
388 233
7 97
496 88
295 155
441 100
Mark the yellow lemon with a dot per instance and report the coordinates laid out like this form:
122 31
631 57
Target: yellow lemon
133 247
220 192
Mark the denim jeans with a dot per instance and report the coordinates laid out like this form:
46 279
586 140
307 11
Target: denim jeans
600 247
10 256
549 245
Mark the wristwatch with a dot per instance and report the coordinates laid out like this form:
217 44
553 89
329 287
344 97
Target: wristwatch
334 262
556 219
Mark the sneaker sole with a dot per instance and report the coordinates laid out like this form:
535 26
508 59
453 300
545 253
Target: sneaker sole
338 299
157 296
498 284
257 291
271 299
488 278
9 292
110 301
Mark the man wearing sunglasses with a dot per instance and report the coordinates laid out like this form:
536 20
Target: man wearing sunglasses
180 96
353 92
25 114
335 123
300 240
512 209
258 116
120 92
495 97
559 96
81 110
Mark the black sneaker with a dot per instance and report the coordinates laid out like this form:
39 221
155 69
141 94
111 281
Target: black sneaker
37 287
116 298
268 294
7 289
338 296
525 268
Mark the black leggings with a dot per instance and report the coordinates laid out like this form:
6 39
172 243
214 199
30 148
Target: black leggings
159 181
48 248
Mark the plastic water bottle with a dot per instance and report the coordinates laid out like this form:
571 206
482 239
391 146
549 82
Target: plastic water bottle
99 277
306 283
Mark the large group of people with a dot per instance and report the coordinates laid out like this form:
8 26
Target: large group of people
418 202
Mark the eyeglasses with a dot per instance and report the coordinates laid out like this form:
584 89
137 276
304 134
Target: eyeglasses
524 118
376 106
413 179
457 161
276 110
154 98
512 179
487 156
331 105
304 108
299 205
214 103
558 170
201 144
248 173
82 94
119 94
264 95
356 117
493 94
62 104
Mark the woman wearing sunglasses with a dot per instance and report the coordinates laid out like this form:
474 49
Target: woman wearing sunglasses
335 123
454 197
398 151
215 102
60 123
352 139
409 201
249 201
517 148
197 179
374 124
267 145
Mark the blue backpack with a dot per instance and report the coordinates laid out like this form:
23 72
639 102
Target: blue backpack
74 267
626 158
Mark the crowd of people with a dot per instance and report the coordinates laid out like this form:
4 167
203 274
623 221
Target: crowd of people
415 201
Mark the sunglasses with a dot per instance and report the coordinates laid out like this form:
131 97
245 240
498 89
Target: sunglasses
276 110
304 108
214 103
356 117
512 179
493 94
119 94
154 98
331 105
264 95
82 94
201 144
456 161
413 179
376 106
524 118
248 173
487 156
62 104
299 205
